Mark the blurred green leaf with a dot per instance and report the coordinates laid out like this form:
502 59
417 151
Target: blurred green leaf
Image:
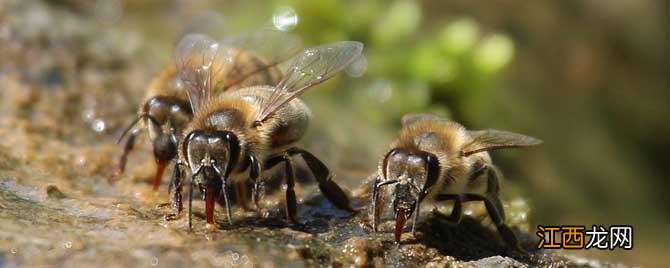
401 20
493 53
459 36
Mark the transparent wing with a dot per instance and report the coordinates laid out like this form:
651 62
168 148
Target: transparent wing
309 68
257 52
195 61
205 64
487 140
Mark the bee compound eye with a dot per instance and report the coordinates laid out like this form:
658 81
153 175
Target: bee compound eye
194 148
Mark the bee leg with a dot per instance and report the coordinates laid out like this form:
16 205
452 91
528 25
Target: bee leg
130 143
493 187
376 201
493 203
174 191
497 214
255 174
328 187
456 211
498 217
291 202
241 195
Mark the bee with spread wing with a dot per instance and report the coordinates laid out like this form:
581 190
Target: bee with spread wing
235 136
245 60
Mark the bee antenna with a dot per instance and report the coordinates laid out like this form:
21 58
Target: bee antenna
130 127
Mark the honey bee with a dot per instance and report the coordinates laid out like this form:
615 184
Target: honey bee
166 111
235 136
437 160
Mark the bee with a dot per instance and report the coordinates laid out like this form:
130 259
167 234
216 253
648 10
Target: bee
235 136
437 160
166 111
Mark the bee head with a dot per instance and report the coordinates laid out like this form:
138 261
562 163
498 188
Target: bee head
163 113
164 116
407 170
211 150
412 174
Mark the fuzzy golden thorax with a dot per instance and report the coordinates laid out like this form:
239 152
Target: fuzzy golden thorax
441 138
166 83
235 112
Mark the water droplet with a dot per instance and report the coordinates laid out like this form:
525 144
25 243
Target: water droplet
67 245
285 19
154 261
81 160
14 250
88 114
98 125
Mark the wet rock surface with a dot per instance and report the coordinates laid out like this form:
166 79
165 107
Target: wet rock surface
65 92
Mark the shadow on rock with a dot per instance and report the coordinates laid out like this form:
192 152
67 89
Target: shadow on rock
468 240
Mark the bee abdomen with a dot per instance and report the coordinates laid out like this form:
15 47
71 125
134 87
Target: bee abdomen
288 133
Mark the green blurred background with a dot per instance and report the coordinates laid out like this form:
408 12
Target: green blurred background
589 77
